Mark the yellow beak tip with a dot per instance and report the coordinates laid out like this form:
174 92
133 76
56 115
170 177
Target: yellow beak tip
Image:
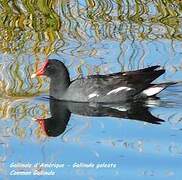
33 75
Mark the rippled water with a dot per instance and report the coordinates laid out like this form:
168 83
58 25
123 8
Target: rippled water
90 37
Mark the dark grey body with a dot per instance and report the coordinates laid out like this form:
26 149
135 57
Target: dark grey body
90 90
116 87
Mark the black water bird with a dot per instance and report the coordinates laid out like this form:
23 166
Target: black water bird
110 88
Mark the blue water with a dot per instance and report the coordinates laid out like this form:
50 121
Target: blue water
138 149
133 149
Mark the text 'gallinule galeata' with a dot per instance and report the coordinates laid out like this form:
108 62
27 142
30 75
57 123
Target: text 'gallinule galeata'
110 88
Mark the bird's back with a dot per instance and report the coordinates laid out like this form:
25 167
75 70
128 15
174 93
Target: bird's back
115 87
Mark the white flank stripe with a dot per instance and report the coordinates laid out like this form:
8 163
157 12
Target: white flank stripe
152 91
92 95
123 109
119 89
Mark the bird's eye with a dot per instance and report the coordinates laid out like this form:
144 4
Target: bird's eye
49 66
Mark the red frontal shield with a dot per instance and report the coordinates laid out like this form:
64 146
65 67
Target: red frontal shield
42 69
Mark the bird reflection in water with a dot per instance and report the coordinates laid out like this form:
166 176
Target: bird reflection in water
61 112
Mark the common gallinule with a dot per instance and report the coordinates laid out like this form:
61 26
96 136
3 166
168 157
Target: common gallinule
61 112
110 88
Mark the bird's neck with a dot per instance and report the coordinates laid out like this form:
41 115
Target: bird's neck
59 85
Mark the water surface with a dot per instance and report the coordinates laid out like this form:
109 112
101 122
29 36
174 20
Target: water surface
90 37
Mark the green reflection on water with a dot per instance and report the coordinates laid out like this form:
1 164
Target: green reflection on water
15 80
39 26
47 26
34 21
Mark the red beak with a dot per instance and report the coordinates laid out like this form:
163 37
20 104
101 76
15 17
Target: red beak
41 70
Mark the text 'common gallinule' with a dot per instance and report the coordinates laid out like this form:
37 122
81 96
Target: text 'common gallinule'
110 88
